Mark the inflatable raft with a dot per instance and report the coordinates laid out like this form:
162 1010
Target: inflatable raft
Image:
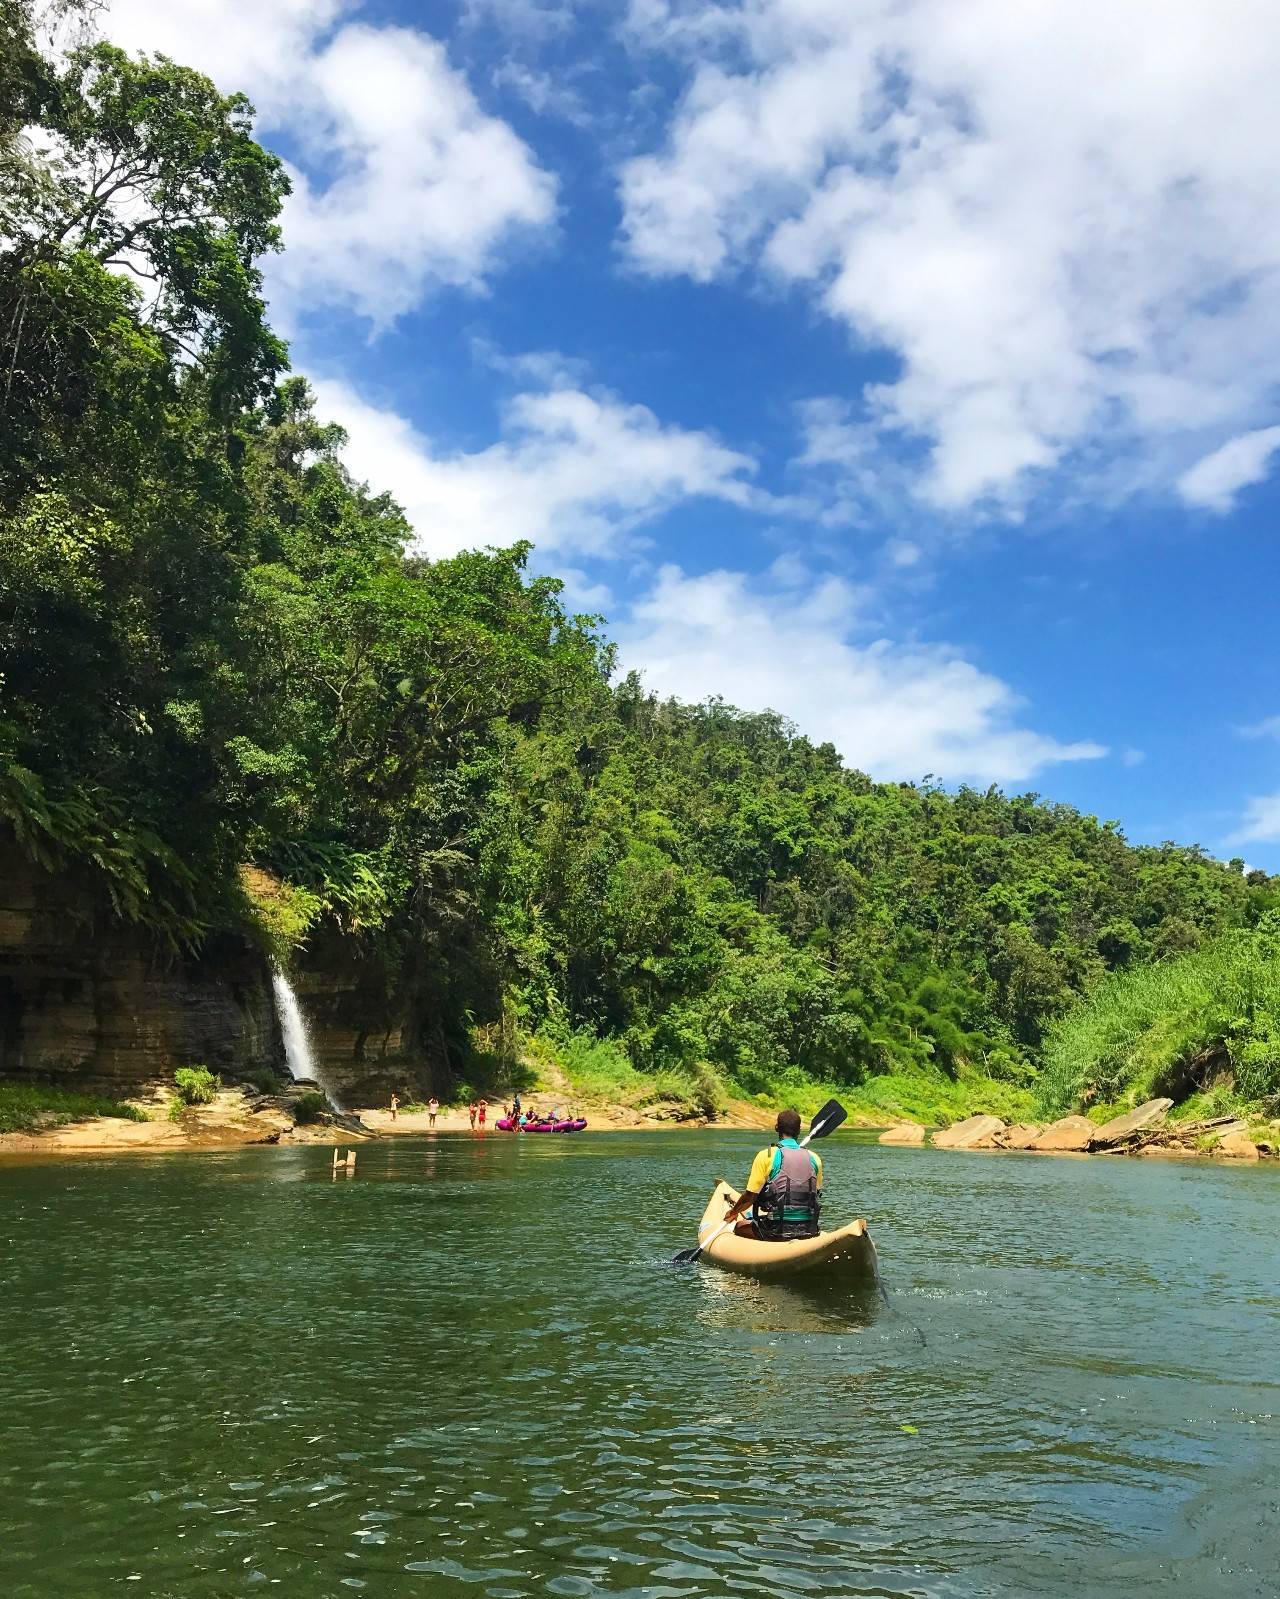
571 1125
845 1252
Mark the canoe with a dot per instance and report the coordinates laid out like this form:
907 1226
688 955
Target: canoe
847 1252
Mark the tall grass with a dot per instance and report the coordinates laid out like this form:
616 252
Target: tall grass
29 1107
931 1097
1171 1028
938 1101
599 1068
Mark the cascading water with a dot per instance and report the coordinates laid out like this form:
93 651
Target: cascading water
297 1043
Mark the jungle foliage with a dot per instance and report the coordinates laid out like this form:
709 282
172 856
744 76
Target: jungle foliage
235 698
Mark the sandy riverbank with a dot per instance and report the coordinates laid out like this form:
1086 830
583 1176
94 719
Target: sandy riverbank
232 1121
600 1118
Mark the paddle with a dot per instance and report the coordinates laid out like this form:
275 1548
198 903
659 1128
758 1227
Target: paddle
826 1121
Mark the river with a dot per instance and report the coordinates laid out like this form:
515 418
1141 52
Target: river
469 1370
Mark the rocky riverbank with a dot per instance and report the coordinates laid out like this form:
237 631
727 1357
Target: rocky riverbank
1145 1130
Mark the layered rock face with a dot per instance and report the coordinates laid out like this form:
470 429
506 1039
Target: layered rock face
367 1035
93 1002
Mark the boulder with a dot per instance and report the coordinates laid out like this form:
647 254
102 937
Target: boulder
1237 1146
1020 1136
977 1132
903 1133
1169 1152
1231 1127
1072 1132
1121 1127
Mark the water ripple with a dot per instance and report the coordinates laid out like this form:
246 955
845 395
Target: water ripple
469 1370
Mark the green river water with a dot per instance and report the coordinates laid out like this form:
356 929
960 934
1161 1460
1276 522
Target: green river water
468 1370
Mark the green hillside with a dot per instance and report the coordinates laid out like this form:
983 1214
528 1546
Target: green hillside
235 697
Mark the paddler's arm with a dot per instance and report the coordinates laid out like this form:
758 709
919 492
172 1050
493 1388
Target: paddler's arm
743 1202
756 1179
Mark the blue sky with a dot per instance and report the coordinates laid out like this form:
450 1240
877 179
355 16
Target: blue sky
908 368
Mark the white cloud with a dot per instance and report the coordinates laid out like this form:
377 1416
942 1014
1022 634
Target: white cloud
1269 727
903 553
1261 822
1214 481
1058 217
545 94
573 471
894 710
536 19
408 183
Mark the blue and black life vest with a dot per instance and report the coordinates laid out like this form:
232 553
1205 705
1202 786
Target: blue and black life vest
789 1202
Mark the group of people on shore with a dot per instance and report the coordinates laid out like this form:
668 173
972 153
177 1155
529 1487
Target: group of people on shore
477 1111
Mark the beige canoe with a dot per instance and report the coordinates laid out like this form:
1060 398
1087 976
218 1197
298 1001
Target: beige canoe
847 1252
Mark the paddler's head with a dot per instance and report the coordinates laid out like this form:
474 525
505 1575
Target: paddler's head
788 1124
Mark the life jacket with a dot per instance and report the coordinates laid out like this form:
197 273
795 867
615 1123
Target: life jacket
789 1202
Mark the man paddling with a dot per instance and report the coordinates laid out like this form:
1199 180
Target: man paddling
784 1189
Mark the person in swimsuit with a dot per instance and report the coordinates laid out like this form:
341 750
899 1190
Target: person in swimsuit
433 1110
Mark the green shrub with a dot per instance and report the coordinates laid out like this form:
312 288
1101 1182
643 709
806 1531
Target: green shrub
29 1107
309 1107
262 1078
280 913
196 1085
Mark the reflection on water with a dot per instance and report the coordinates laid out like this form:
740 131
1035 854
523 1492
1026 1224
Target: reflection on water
788 1305
469 1369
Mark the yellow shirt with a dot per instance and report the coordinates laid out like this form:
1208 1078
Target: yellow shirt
763 1164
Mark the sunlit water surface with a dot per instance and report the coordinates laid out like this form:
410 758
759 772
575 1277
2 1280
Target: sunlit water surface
469 1370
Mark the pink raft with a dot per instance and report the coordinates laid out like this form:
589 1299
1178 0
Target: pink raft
506 1125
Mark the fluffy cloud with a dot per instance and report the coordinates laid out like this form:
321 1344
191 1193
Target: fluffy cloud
1214 481
896 711
402 182
1261 822
1058 217
573 471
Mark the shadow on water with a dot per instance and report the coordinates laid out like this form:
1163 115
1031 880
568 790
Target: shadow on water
788 1305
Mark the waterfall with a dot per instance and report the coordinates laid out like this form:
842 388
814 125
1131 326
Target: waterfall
297 1043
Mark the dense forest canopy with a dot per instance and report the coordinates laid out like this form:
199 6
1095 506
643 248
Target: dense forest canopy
234 695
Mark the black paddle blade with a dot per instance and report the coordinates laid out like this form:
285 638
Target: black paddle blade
687 1257
828 1119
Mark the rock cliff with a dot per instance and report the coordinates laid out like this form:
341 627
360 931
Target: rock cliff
367 1030
96 1002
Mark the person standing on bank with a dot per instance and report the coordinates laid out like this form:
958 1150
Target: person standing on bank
784 1190
433 1110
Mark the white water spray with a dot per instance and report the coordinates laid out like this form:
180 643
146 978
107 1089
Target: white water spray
297 1042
